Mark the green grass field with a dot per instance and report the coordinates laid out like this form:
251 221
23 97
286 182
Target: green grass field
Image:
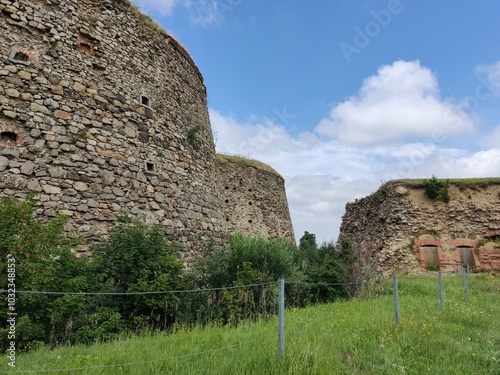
354 337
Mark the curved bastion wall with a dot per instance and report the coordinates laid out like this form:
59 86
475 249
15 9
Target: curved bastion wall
254 198
105 115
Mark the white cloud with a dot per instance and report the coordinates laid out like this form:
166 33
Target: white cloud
203 12
163 7
492 73
492 139
200 12
322 175
399 103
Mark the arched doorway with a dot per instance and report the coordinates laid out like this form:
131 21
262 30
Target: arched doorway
466 255
431 257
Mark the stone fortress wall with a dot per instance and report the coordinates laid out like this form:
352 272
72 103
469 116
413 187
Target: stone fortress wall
105 115
399 229
254 198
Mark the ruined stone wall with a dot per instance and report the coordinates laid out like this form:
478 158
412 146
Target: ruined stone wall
105 116
254 199
399 229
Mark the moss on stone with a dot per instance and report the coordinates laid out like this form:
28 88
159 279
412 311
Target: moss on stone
245 162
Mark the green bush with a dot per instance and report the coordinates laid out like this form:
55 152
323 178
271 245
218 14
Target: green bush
43 262
437 189
135 258
225 286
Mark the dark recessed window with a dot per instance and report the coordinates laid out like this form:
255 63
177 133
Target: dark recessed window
227 201
19 57
250 221
145 100
227 188
227 219
150 167
249 203
8 137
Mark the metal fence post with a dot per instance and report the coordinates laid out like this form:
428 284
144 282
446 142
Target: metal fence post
281 317
468 276
396 299
465 285
441 299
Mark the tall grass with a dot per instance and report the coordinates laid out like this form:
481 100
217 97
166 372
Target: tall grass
355 337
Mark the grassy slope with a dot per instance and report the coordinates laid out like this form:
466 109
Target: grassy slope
355 337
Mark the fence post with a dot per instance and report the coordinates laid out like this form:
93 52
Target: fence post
396 299
441 299
281 317
468 276
465 285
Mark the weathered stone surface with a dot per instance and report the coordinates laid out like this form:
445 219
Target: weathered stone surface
63 115
4 163
49 189
28 168
81 186
390 229
10 152
91 148
13 93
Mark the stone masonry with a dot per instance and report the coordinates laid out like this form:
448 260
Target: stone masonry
105 115
254 199
399 229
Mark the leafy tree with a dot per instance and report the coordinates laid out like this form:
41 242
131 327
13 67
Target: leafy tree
308 248
43 262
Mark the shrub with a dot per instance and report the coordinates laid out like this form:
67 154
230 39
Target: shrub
135 258
437 189
42 254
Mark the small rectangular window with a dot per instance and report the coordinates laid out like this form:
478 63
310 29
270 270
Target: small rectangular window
145 100
150 166
19 57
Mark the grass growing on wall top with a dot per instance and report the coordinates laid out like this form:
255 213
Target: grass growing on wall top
245 162
419 182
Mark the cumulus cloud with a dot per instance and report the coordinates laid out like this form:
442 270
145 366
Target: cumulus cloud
492 139
203 12
492 75
322 175
399 103
394 128
163 7
200 12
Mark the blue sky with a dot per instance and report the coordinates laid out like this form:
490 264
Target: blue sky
342 95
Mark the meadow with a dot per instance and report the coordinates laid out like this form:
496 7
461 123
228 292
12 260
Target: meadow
358 336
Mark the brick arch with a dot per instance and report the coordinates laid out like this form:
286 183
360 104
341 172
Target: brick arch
419 244
463 242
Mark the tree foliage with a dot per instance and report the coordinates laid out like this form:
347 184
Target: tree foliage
102 297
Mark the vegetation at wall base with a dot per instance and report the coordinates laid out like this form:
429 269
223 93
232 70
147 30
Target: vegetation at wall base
114 292
350 337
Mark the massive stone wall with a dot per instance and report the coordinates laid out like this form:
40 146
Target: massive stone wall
254 198
105 115
399 229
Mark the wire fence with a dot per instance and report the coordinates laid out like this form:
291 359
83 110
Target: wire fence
402 287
